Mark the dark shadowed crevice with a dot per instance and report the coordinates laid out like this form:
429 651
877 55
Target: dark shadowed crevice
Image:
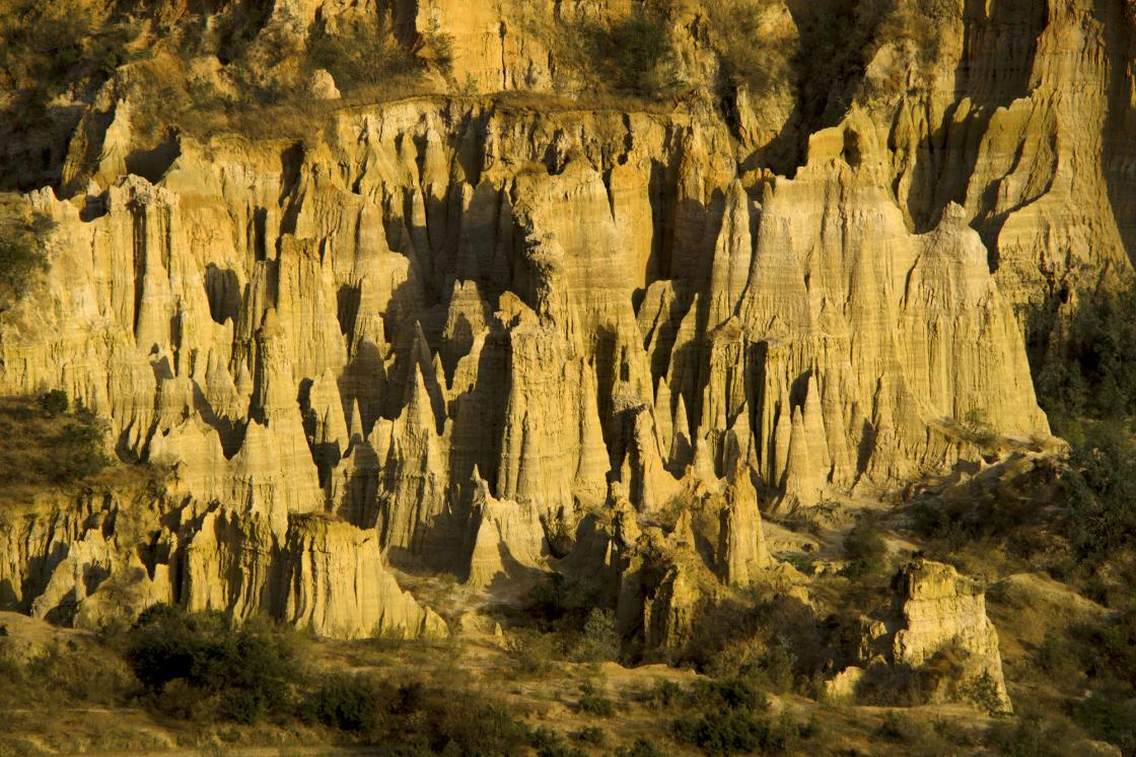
1119 145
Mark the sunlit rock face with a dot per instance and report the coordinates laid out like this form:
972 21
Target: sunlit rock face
442 333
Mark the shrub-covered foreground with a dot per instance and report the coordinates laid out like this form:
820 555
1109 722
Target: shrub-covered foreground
199 666
203 671
1074 520
208 681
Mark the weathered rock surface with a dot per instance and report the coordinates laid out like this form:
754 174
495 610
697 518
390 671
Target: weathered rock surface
936 628
939 608
591 315
110 555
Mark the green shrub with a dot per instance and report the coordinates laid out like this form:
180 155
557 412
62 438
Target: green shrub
1109 715
469 725
728 731
418 718
1032 735
362 53
345 701
983 691
1090 372
1101 490
730 694
633 55
65 674
565 602
599 641
766 664
243 673
665 693
54 402
886 685
593 702
22 255
916 736
548 743
641 748
532 652
1059 659
731 716
866 550
593 735
56 448
77 452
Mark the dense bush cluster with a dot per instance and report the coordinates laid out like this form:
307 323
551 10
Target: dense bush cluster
562 620
53 444
1101 490
62 674
200 665
1076 520
365 53
632 56
866 550
45 47
21 252
730 716
1070 519
1090 371
771 643
419 719
1094 666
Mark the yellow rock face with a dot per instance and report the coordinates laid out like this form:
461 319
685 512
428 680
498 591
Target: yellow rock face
569 307
939 608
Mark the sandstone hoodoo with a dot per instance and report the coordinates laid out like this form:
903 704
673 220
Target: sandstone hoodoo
683 326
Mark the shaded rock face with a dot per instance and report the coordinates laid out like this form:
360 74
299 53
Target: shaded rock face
456 327
667 581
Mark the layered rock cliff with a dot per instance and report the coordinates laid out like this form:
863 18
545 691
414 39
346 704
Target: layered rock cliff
443 332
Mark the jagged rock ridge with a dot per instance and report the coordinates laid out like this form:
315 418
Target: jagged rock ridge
450 333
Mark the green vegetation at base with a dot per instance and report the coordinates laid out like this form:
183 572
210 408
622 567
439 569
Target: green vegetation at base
866 551
418 718
22 255
1075 521
1093 667
63 675
201 668
50 443
1083 365
1072 518
198 673
200 665
562 621
729 716
594 702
